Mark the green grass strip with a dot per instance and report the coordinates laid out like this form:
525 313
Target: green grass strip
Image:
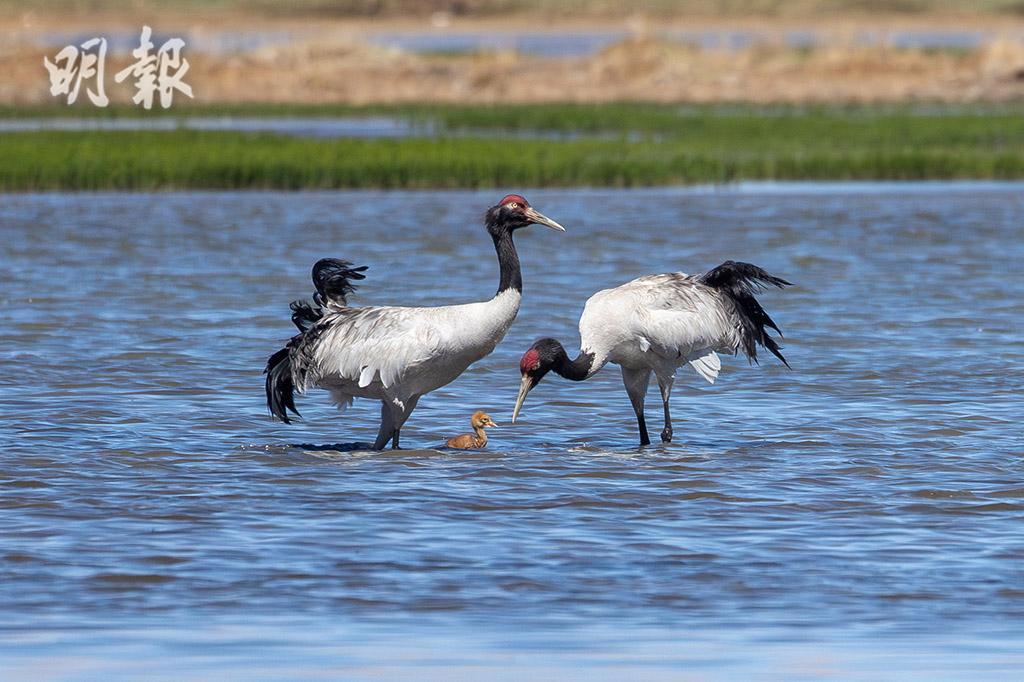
617 145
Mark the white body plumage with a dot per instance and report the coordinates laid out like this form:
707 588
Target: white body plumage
397 353
657 323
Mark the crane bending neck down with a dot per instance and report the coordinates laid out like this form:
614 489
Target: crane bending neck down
657 323
549 355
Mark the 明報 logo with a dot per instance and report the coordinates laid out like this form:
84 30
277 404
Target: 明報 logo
153 73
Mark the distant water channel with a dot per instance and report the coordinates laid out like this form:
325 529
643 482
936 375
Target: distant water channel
551 43
858 517
326 127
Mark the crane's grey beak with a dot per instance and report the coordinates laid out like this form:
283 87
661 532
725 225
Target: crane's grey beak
524 388
539 218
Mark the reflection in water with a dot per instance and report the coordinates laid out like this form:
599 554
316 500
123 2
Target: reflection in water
859 514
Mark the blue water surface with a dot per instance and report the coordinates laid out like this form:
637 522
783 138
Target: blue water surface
859 516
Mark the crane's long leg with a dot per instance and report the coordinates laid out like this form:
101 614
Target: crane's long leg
410 405
636 382
387 425
665 384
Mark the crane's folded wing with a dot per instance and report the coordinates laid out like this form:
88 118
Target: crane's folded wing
681 319
364 345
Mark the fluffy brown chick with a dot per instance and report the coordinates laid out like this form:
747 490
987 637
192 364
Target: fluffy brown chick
476 440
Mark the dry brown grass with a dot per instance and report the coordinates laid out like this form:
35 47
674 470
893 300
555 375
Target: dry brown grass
336 68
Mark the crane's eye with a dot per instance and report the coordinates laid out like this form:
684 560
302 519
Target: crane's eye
511 204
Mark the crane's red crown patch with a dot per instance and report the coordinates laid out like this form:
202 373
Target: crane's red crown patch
530 361
518 198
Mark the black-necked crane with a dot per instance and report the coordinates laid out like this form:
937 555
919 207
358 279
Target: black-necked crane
656 324
395 354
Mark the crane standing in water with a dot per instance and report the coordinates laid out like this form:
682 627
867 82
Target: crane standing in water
395 354
656 324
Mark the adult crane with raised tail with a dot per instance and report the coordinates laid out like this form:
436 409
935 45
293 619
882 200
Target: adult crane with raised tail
658 323
395 354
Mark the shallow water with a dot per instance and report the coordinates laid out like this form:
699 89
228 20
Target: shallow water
859 516
582 43
538 42
327 127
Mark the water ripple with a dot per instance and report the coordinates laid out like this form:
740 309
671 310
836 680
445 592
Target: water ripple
869 497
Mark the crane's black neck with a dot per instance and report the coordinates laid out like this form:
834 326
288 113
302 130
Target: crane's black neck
574 370
508 262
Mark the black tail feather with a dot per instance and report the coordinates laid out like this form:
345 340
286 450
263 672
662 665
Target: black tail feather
740 281
332 279
280 387
304 315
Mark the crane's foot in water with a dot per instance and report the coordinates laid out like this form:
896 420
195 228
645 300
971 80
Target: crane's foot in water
666 435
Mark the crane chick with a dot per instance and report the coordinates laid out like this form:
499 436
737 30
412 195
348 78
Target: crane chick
469 441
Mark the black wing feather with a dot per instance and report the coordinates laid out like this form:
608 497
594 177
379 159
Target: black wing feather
740 281
332 279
